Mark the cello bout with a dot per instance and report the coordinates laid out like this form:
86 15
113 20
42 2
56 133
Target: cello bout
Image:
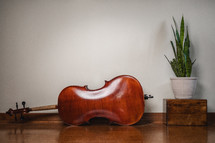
121 100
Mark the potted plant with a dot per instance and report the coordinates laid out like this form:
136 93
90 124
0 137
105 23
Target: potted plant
183 84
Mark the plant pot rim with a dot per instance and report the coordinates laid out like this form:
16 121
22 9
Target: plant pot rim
183 78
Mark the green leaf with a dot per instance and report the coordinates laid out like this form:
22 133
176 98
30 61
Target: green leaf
176 29
188 67
173 47
174 22
193 61
177 36
167 59
181 64
178 49
182 31
173 31
188 37
186 47
174 65
180 60
188 63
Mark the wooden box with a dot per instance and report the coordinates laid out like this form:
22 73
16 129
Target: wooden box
185 111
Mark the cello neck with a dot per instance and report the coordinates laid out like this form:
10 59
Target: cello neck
40 108
27 110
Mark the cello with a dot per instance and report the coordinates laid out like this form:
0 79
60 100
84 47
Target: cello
120 100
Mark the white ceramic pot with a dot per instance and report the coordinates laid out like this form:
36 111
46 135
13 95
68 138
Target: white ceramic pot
183 87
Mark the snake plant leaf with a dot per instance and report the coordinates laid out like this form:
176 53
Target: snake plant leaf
174 22
188 37
167 59
177 36
186 47
178 49
180 60
177 45
176 30
174 65
173 47
182 30
188 67
181 64
193 61
188 63
173 32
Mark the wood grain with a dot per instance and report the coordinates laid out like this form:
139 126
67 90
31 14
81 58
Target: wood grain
186 111
103 133
186 106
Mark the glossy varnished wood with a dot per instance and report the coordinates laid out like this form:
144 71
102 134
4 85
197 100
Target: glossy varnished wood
121 101
105 133
48 128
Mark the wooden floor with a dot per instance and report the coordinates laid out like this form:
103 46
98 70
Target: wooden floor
104 133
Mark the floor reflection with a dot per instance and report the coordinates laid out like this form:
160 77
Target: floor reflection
29 133
196 134
113 134
98 133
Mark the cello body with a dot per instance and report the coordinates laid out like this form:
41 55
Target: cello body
121 100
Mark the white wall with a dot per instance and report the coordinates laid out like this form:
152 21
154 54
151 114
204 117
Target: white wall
46 45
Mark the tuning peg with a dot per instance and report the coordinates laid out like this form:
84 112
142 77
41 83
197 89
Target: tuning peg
17 109
147 96
16 105
151 96
23 104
